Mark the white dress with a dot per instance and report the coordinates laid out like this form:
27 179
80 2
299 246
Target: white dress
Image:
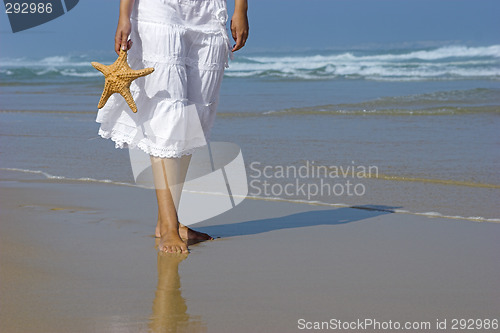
187 44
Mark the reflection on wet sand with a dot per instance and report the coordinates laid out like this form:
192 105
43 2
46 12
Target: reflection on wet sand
169 307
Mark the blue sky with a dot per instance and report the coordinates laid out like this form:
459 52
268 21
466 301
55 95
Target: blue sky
284 25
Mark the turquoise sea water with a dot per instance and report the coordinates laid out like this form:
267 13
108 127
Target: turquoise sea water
428 119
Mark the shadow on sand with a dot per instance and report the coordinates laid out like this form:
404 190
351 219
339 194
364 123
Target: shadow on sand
299 220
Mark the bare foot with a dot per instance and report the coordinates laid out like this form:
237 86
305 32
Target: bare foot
170 242
186 233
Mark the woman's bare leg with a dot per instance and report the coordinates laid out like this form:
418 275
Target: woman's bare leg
176 170
170 240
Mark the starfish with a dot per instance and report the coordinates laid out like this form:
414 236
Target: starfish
118 77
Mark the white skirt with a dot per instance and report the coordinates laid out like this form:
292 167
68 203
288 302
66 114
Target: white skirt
187 44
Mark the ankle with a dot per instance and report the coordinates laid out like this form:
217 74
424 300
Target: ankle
168 228
170 232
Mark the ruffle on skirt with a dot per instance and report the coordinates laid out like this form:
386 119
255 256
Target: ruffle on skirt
177 102
184 133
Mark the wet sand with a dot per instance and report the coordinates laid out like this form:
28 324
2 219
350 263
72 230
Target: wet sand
80 257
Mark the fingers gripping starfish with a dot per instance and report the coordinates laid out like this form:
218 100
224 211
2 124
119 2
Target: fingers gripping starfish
118 77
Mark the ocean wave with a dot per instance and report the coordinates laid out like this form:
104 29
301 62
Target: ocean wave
367 70
55 68
55 61
444 63
440 63
447 52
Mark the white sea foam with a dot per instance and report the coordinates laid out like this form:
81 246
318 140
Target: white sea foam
84 74
69 179
436 54
299 201
58 61
378 208
443 62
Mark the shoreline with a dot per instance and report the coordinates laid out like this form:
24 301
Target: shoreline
430 214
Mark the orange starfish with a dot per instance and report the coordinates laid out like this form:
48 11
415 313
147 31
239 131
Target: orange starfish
118 77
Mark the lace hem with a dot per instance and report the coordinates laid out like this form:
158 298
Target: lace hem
123 140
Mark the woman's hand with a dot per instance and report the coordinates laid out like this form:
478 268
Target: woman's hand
121 36
123 29
239 24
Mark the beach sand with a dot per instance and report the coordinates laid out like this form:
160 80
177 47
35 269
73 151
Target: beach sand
80 257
